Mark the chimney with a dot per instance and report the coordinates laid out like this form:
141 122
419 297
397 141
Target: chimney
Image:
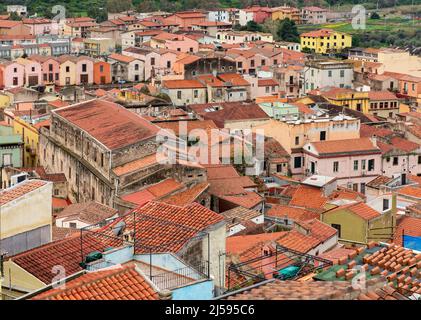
373 139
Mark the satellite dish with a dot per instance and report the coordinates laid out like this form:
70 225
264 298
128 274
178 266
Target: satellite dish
119 227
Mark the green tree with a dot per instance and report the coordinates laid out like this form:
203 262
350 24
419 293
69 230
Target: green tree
287 31
99 14
253 26
15 17
115 6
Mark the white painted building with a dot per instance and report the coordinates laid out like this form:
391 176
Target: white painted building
218 15
326 73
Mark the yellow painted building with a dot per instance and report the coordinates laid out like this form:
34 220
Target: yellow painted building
26 223
4 100
67 74
281 13
30 137
293 134
325 40
361 223
348 98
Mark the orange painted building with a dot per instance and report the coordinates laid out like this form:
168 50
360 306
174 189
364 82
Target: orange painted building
102 72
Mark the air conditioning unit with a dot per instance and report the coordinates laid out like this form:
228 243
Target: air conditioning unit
18 178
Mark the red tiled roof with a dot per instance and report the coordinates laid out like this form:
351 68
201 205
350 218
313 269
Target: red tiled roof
317 33
345 146
119 283
267 82
247 200
188 196
230 111
239 244
410 226
62 233
360 209
136 165
369 131
293 213
8 24
176 126
139 198
59 203
43 123
381 95
111 124
308 197
121 58
19 190
318 229
67 253
234 78
404 144
89 212
182 84
221 172
36 21
410 191
167 228
297 241
297 290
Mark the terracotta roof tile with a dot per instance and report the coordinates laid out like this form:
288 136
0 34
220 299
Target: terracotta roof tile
229 111
120 283
61 233
110 123
345 146
162 227
293 213
318 229
182 84
308 197
297 241
360 209
381 95
247 200
19 190
295 290
121 58
410 191
410 226
136 165
88 212
67 252
188 196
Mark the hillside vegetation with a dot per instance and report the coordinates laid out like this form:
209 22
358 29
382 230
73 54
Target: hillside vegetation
84 7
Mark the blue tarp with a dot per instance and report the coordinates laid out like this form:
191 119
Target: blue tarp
413 243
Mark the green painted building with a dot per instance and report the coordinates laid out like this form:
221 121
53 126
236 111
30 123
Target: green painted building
360 223
11 145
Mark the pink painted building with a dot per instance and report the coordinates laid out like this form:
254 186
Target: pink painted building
50 69
185 19
33 71
151 58
354 162
12 74
260 14
248 61
400 156
175 42
84 70
40 26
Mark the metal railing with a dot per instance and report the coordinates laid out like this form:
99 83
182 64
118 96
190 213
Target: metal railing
181 276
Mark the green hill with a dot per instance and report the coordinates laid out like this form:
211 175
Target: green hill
84 7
